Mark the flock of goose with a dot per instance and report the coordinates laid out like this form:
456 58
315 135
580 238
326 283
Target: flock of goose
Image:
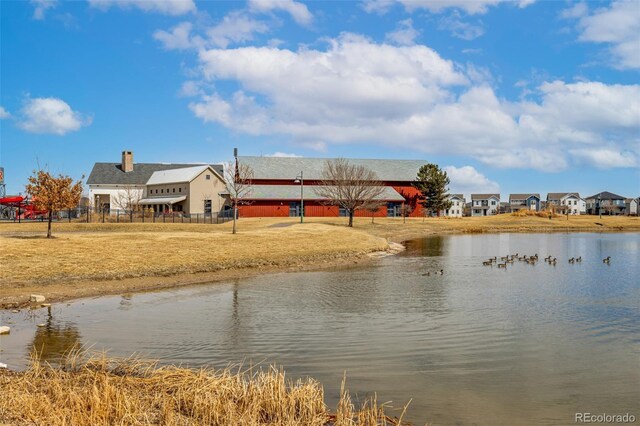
531 260
511 258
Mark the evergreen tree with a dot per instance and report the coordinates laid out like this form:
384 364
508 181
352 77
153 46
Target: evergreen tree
432 184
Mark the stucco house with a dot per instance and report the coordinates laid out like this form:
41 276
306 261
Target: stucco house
566 203
484 204
186 188
457 206
524 201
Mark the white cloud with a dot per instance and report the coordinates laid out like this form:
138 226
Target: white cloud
236 27
409 97
50 115
471 7
606 158
460 29
4 113
283 154
404 35
179 37
298 11
618 26
166 7
467 180
41 7
578 10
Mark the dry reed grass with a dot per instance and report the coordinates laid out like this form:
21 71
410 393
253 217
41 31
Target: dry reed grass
91 389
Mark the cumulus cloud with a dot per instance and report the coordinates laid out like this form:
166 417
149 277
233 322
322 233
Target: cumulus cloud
606 158
404 35
617 26
50 115
437 6
179 37
409 97
166 7
467 180
4 113
459 28
236 27
41 7
298 11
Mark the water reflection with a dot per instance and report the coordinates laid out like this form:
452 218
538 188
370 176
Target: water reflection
55 339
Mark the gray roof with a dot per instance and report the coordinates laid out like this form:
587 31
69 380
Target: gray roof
605 195
460 196
112 174
523 196
292 192
286 168
559 195
484 196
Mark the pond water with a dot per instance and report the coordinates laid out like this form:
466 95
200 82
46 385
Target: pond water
529 344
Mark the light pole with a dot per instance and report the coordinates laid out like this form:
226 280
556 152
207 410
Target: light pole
600 207
300 178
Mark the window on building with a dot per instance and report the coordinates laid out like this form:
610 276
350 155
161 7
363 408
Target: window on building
294 209
207 206
162 191
493 203
208 177
180 189
174 190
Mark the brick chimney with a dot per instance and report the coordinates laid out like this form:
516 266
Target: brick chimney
127 161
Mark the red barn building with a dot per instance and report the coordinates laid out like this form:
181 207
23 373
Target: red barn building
277 190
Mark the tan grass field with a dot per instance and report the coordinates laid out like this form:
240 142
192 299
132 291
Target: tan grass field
95 390
92 259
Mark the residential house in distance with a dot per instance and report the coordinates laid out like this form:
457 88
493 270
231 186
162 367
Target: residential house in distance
524 201
277 188
484 204
566 203
605 203
457 206
631 206
187 188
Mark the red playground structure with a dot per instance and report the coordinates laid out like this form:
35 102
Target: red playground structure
24 209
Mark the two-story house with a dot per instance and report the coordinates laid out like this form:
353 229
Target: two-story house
457 206
524 201
566 203
605 203
631 206
484 204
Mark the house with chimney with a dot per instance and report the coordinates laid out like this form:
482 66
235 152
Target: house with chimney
163 187
566 203
485 204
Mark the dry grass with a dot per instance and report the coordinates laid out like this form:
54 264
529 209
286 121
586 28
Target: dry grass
106 251
96 390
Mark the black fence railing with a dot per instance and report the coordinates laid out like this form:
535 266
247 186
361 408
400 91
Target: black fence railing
97 215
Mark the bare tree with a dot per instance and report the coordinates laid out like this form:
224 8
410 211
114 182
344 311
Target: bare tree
373 207
128 199
238 180
349 186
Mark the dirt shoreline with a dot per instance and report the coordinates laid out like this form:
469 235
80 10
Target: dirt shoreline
57 289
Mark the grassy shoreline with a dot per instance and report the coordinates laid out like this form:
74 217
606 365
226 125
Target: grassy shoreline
97 259
90 389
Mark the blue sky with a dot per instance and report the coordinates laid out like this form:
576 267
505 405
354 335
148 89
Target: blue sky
507 96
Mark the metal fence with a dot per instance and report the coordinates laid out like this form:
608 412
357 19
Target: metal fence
97 215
